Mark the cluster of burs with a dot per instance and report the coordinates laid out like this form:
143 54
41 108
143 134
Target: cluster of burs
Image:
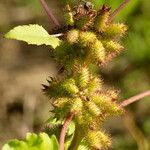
91 39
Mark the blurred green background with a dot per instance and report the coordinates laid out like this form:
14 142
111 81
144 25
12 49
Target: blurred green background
23 69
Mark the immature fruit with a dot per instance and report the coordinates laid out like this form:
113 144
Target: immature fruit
94 85
69 86
102 19
93 108
72 36
76 105
86 37
115 30
112 46
83 77
98 140
97 51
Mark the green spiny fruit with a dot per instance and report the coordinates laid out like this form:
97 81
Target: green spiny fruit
85 38
73 36
97 51
102 19
115 31
61 107
82 77
76 105
113 94
69 86
53 90
92 108
105 103
97 140
84 119
60 102
112 46
94 85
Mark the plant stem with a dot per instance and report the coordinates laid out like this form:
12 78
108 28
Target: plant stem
49 13
134 98
137 134
76 138
64 130
121 6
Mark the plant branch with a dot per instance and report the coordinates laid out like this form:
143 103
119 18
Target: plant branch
121 6
49 13
76 138
137 134
134 98
64 130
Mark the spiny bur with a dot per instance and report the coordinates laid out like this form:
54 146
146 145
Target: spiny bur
102 18
90 39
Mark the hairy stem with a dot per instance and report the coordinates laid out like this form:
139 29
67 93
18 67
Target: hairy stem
134 98
76 138
64 130
49 13
121 6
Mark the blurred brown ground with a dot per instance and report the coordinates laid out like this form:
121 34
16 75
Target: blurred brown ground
23 68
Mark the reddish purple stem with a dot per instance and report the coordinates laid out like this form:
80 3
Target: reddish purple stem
134 98
64 130
121 6
49 13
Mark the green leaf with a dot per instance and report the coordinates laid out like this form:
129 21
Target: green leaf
15 145
54 142
53 121
71 128
33 142
33 34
